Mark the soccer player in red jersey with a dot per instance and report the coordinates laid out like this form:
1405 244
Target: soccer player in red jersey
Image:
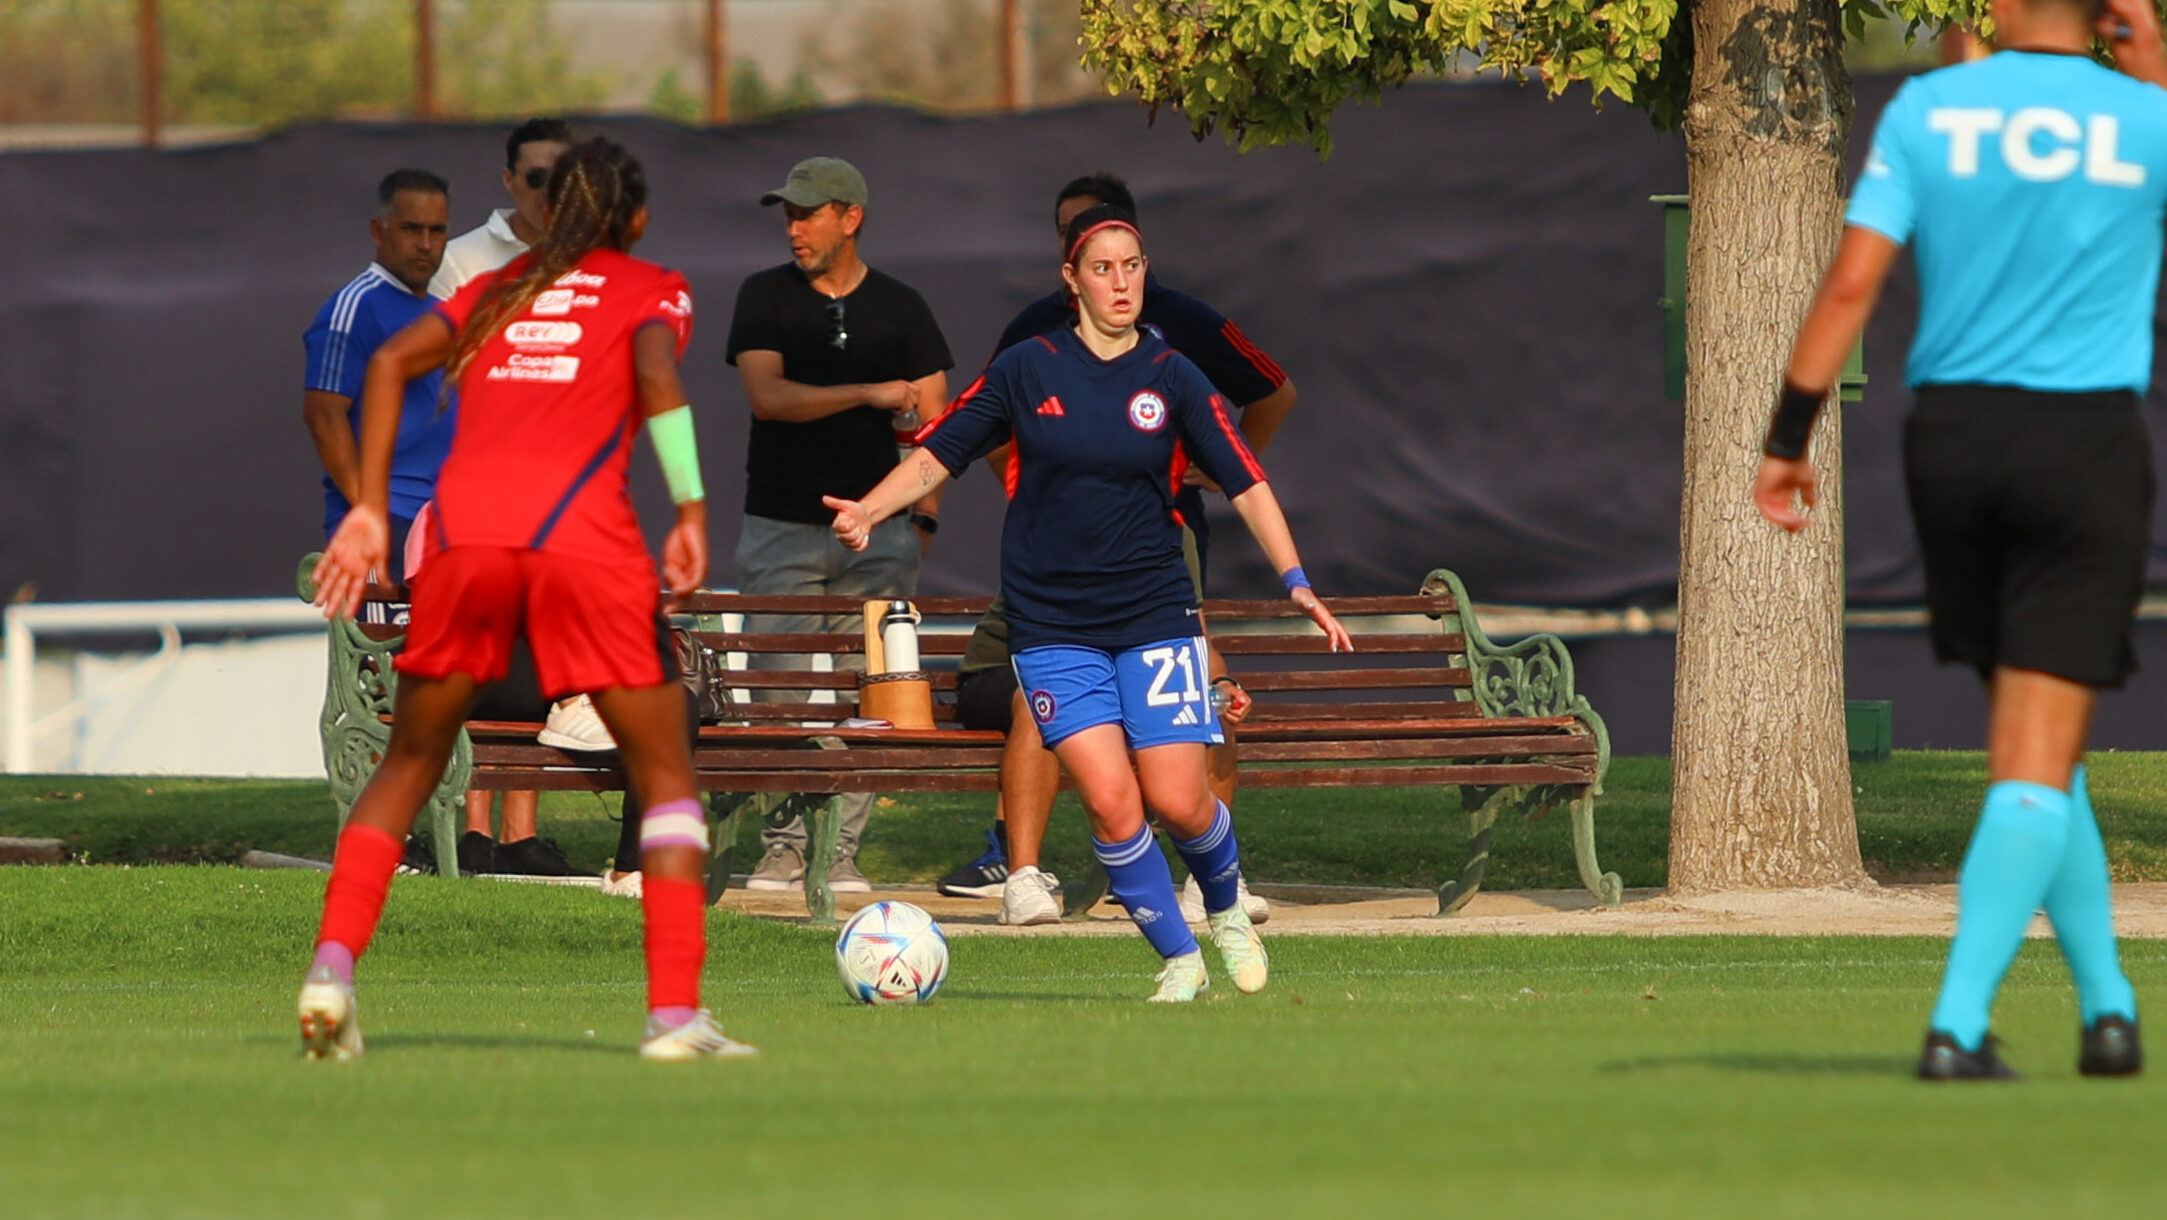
1104 419
558 358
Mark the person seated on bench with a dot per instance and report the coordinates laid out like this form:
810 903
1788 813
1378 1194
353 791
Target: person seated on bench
1101 609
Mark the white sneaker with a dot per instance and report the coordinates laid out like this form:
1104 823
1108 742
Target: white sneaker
574 725
699 1038
1030 897
1182 978
622 885
1241 951
1192 902
330 1017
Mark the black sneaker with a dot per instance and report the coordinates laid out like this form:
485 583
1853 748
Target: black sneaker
2111 1048
419 858
1943 1059
981 878
477 854
534 857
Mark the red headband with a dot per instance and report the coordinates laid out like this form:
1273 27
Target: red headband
1113 223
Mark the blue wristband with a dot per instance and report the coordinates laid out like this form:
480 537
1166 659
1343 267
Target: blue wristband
1295 578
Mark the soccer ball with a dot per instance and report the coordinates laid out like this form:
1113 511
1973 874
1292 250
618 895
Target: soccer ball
891 953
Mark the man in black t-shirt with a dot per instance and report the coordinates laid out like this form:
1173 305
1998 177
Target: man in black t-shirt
838 360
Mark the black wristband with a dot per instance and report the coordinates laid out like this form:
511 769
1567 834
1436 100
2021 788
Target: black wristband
927 522
1792 425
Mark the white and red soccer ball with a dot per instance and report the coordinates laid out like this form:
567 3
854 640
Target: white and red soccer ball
891 953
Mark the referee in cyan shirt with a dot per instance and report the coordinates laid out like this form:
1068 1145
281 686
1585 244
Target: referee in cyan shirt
2031 186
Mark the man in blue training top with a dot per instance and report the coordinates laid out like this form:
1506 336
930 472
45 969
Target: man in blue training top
410 228
2031 186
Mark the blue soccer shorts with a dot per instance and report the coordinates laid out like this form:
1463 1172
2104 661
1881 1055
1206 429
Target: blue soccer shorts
1157 693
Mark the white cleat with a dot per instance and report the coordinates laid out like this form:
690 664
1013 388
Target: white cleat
1192 902
1182 978
699 1038
1030 897
330 1017
1241 950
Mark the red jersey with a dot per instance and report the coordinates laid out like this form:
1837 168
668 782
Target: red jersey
548 411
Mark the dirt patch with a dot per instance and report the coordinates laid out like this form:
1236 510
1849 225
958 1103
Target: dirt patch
1890 910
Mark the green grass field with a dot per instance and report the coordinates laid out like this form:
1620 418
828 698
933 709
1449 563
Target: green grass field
148 1067
1915 815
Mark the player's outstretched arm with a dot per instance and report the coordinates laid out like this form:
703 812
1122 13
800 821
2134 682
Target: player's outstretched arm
1825 339
2131 30
1259 510
669 426
914 478
362 542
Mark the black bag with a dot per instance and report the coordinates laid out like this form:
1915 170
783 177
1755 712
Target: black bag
701 671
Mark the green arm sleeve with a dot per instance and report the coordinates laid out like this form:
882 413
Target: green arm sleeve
671 431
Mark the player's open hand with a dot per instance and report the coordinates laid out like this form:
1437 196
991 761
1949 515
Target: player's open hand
1314 607
853 525
684 555
1779 480
357 549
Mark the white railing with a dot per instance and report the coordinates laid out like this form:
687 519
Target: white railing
25 623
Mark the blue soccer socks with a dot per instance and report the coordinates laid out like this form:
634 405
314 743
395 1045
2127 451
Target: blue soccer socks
2077 902
1142 883
2014 855
1215 861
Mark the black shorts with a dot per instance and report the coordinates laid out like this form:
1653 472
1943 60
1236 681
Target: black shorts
2034 513
985 698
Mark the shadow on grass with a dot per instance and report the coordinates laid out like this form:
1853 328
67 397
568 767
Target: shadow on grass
1767 1065
468 1042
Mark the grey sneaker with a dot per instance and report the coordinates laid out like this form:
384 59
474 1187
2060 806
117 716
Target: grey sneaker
782 868
844 878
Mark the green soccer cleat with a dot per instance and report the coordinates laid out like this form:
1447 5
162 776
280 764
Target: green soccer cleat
330 1017
1241 950
1182 978
699 1038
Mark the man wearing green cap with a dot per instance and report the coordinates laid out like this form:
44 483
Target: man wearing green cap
838 362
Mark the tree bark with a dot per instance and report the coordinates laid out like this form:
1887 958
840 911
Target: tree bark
1762 787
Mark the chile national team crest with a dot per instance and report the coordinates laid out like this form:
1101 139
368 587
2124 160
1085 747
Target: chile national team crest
1147 411
1042 706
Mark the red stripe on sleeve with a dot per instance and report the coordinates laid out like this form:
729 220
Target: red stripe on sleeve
926 430
1257 359
1014 473
1234 438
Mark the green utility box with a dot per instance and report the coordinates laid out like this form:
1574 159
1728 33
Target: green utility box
1869 726
1677 213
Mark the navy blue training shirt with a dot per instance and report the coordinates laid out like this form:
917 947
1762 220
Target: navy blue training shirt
1091 547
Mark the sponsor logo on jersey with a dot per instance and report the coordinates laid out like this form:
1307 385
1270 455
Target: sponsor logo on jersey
679 306
558 302
536 368
542 334
1147 411
2037 144
1042 706
1052 406
575 278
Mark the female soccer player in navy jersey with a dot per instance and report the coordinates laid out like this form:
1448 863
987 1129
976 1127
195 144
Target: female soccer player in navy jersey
559 359
1104 419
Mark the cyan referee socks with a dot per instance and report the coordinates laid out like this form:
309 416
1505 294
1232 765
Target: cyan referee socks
2015 853
2083 920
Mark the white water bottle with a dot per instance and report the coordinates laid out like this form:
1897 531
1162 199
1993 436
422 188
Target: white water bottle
899 637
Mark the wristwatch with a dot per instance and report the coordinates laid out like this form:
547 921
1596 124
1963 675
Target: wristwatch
926 521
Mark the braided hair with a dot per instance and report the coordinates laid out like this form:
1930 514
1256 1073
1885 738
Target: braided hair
594 192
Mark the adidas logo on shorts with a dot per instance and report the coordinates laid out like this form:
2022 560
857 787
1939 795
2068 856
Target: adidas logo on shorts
1187 715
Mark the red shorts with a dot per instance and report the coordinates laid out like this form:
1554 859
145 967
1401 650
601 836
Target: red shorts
591 626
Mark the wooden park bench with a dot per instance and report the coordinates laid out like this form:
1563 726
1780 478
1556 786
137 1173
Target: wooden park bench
1426 700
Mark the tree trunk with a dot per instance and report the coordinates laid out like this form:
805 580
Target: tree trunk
1762 788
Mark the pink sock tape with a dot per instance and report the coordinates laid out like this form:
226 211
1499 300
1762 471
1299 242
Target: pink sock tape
679 823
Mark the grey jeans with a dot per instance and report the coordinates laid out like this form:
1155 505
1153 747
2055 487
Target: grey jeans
784 558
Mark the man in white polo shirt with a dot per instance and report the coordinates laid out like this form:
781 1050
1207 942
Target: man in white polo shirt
530 152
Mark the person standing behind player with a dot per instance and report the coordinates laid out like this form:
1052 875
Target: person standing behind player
531 151
413 208
2031 186
1247 380
1102 420
558 359
836 358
